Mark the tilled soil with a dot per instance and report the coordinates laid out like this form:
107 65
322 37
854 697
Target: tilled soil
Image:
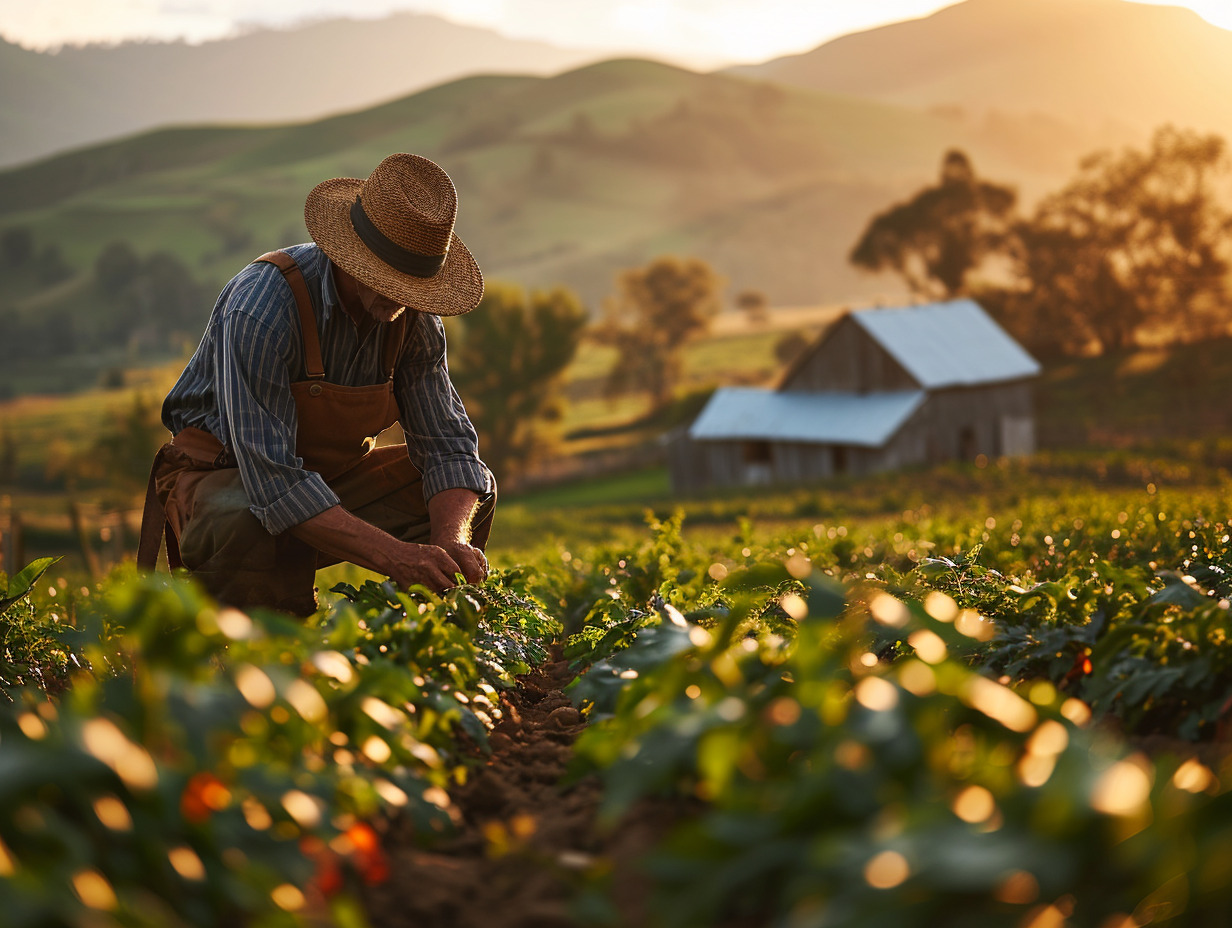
526 841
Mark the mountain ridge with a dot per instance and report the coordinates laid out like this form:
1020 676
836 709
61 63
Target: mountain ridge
1128 66
53 102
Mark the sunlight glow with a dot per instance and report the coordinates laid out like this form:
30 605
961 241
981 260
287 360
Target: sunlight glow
1215 12
698 33
715 31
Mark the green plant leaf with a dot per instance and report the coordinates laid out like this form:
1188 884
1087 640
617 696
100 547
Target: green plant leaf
23 581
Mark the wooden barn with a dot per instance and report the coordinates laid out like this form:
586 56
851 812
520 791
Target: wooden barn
882 389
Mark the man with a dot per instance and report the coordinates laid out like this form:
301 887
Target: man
308 355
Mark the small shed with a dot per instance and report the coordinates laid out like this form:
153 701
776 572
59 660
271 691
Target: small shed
881 389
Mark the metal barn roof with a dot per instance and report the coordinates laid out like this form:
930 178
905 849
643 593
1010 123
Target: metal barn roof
753 414
948 344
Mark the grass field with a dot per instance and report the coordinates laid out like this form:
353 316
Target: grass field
1148 416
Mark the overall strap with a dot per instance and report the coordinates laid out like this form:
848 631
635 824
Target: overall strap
307 318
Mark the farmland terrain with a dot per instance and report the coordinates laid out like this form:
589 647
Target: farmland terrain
1095 416
1045 727
770 174
561 180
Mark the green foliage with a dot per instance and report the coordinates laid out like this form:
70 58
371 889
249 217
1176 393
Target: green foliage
919 720
941 235
116 266
509 368
198 773
16 247
1145 646
837 789
34 650
1134 244
656 310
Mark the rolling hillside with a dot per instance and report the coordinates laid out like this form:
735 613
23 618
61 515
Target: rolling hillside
565 179
78 96
1115 66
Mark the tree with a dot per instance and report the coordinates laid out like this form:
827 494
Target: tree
50 266
754 305
156 298
509 364
1137 240
116 266
790 346
656 311
938 237
16 246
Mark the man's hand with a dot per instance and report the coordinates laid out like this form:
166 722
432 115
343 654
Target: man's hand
343 535
430 565
472 563
436 565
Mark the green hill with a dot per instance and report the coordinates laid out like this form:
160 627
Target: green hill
561 180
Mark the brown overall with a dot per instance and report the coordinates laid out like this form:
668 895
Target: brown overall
197 499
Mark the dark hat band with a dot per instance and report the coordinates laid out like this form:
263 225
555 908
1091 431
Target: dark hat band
389 251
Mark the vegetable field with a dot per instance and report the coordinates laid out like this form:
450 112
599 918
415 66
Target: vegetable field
1009 707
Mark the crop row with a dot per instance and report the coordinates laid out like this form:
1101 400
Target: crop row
201 766
890 727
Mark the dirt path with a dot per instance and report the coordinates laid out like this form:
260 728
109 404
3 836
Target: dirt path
526 840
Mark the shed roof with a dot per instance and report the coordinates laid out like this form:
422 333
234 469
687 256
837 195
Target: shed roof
948 344
753 414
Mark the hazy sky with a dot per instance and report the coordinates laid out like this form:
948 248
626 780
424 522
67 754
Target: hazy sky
700 32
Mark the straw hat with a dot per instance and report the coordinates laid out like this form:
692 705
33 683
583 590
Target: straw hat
394 232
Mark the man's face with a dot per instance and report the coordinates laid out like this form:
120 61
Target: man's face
381 308
356 295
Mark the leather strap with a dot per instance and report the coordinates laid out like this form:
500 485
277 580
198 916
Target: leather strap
303 302
153 521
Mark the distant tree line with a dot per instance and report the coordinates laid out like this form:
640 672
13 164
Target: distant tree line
39 335
155 302
1135 246
150 303
18 253
43 336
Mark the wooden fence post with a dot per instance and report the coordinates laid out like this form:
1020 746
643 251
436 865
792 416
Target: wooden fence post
12 541
83 539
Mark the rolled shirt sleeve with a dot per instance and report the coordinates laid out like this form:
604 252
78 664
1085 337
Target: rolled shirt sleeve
257 412
440 438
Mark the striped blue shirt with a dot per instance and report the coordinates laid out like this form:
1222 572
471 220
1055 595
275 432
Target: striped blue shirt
237 386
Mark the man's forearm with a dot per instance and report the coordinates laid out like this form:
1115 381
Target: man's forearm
450 513
343 535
